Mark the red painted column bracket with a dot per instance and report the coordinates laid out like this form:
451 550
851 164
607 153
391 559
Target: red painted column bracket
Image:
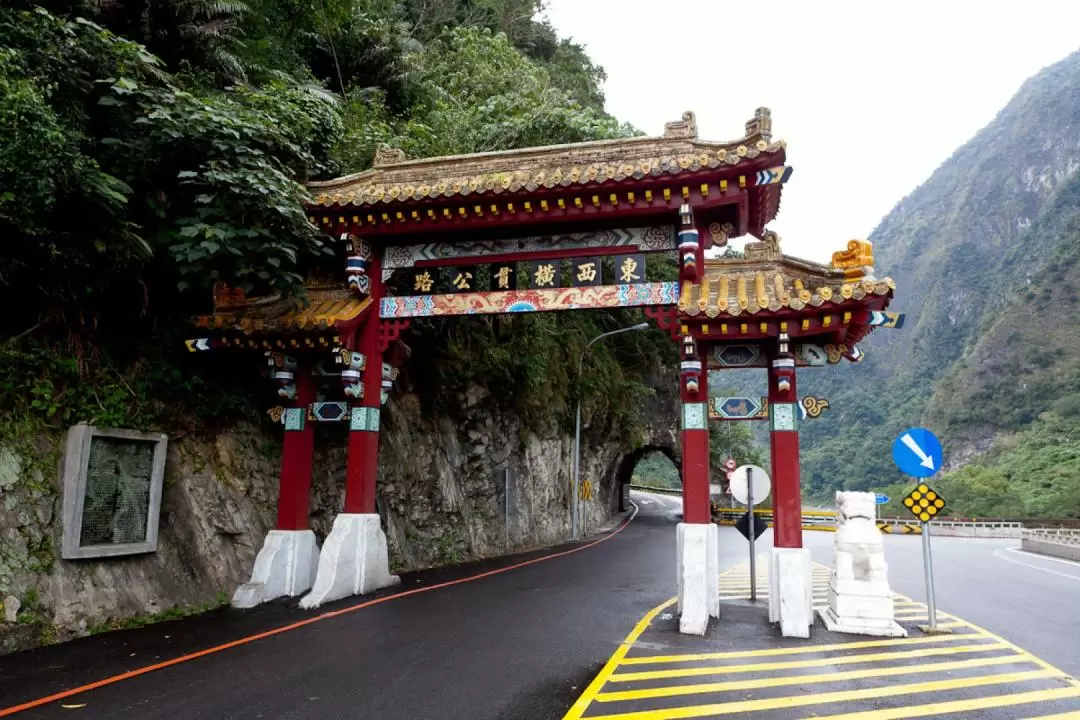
390 329
695 435
375 335
666 318
294 487
784 449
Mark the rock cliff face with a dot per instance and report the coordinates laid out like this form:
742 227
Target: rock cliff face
441 495
983 255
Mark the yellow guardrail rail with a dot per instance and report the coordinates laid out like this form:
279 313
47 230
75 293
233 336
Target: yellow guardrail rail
820 520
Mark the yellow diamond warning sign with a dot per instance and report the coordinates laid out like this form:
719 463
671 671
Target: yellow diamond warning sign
924 503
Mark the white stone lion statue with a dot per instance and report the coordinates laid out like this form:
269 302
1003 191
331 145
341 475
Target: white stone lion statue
860 550
859 597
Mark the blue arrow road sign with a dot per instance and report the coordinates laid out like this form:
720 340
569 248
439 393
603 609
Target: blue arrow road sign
917 452
881 499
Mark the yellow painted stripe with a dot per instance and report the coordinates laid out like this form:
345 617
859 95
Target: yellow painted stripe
1038 661
772 682
578 708
802 700
983 703
816 662
799 650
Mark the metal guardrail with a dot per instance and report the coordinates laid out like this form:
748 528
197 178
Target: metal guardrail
825 520
662 491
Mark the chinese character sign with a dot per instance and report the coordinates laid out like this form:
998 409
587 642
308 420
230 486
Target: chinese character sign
503 277
462 279
545 274
629 269
424 280
586 271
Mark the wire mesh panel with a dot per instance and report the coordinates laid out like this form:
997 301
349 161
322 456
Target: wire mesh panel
117 501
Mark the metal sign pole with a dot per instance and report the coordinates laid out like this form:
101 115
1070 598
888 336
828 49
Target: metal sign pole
506 499
928 565
750 525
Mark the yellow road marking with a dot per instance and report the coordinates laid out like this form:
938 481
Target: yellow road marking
736 586
1038 661
823 698
579 707
816 662
983 703
799 650
771 682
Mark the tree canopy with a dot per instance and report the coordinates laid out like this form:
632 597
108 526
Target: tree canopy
155 147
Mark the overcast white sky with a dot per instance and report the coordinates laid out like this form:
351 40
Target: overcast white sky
871 95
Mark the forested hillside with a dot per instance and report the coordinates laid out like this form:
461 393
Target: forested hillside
155 147
984 255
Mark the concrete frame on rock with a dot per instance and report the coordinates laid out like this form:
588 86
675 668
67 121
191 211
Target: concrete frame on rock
674 193
75 463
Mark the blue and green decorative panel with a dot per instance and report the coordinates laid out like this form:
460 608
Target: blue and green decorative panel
784 416
364 419
694 416
294 419
738 408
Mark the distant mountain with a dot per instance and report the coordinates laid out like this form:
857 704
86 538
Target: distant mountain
986 259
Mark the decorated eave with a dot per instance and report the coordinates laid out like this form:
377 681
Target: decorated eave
768 294
326 315
639 176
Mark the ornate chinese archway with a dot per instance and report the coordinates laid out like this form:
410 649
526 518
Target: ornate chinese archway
546 229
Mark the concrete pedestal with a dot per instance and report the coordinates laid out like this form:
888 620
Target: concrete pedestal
860 614
698 565
285 566
354 560
791 591
861 607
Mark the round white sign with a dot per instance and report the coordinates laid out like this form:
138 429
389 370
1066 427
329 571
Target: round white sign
760 479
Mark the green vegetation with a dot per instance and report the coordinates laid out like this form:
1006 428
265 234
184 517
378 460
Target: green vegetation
157 148
726 439
174 613
985 257
657 471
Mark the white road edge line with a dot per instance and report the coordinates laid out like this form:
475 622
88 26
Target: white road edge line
997 553
1063 561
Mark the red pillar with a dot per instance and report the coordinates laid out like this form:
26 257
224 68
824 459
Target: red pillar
363 464
294 488
695 435
784 451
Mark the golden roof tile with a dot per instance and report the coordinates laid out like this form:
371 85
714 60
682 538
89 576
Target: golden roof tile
766 280
394 179
325 308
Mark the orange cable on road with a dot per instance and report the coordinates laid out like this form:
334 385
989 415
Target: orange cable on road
5 712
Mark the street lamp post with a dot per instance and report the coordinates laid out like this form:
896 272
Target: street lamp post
577 426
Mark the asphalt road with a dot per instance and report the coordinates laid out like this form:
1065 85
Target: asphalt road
519 644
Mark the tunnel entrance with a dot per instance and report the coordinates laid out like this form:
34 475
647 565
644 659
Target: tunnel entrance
655 465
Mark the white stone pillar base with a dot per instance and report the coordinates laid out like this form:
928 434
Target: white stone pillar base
285 566
861 607
698 565
791 591
354 560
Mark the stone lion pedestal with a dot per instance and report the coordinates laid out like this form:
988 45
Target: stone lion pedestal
860 601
